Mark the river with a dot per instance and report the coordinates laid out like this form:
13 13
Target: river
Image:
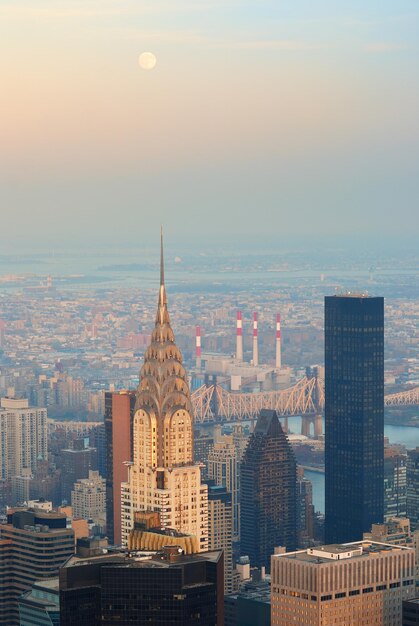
405 435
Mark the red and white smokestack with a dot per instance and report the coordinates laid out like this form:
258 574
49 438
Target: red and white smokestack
239 337
198 349
255 340
278 341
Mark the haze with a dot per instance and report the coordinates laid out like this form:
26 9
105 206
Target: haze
293 118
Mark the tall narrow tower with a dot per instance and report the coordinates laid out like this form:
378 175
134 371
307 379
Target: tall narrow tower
278 362
239 337
163 476
354 416
255 340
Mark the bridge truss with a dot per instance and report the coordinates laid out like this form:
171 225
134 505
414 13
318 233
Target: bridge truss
305 398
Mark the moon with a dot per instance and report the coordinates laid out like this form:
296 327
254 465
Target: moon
147 60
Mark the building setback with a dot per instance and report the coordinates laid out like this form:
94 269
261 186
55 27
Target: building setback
354 416
349 584
268 487
163 476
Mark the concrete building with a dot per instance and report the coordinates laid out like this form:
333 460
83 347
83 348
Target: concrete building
34 544
354 415
88 499
163 476
41 605
351 584
224 469
168 588
268 492
23 437
220 528
119 417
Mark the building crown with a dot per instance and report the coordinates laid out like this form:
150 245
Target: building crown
163 380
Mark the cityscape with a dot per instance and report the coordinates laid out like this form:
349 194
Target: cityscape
209 307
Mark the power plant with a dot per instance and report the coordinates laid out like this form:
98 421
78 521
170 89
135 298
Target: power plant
233 372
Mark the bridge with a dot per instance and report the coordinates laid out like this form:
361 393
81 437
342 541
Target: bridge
213 403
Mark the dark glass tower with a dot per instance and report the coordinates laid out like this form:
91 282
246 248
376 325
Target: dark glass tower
268 513
354 412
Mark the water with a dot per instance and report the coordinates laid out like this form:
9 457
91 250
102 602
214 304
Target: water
405 435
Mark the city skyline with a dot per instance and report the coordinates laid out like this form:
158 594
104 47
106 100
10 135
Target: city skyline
258 119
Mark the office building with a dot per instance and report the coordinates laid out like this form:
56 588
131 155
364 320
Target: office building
305 511
23 437
88 499
395 485
224 469
76 463
41 605
412 479
34 544
395 531
354 416
163 476
119 416
268 492
168 588
220 524
351 584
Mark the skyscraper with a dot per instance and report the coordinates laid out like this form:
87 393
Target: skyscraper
224 469
119 416
412 479
354 415
220 528
163 476
268 492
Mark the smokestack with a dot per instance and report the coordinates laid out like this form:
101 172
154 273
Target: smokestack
239 337
255 340
198 349
278 341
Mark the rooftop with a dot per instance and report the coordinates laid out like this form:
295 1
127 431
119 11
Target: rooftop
338 552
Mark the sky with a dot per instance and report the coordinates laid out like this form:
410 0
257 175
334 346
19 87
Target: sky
262 119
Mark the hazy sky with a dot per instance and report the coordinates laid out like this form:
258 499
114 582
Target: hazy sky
265 117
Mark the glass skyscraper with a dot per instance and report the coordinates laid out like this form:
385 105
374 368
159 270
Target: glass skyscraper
354 415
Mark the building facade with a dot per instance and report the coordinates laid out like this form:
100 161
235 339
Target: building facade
88 498
224 469
169 588
351 584
268 492
23 437
354 416
163 476
220 524
395 484
35 545
76 463
119 417
41 605
412 479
